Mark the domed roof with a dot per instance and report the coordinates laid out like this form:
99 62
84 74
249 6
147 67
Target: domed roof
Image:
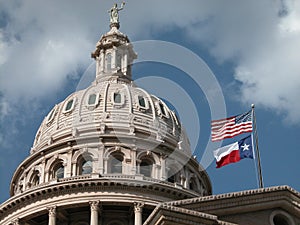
112 142
113 106
107 109
112 130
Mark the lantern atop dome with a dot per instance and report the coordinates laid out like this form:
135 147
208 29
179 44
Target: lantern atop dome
114 53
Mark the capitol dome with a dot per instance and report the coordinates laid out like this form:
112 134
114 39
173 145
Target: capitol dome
112 145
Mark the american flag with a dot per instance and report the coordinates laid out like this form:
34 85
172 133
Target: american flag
232 126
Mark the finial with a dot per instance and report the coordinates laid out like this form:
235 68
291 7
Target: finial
114 15
252 106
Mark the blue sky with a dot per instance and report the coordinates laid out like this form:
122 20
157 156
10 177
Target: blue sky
251 48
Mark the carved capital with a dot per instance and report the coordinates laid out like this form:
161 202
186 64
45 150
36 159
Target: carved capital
52 211
138 207
94 205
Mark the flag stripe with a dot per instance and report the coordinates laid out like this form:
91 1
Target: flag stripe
232 157
233 127
231 135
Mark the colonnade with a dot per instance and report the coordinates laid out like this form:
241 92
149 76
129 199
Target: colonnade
95 213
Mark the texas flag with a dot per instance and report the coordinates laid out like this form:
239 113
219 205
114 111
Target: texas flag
234 152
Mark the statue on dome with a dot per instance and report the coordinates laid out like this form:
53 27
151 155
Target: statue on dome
114 13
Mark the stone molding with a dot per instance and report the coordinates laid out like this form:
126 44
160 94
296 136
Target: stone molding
167 214
271 197
155 191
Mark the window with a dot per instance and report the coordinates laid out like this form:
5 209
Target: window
280 220
93 100
108 61
87 167
119 61
142 102
162 110
117 98
35 180
116 163
173 176
193 184
58 171
280 217
69 106
51 115
146 168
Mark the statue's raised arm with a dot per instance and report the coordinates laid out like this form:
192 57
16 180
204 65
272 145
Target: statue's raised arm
114 13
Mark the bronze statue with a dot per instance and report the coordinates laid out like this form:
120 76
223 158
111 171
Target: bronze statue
114 13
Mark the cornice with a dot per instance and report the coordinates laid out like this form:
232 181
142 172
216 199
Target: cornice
94 185
250 200
165 212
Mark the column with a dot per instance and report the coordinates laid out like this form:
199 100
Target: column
52 215
68 168
106 169
164 172
94 212
138 209
100 157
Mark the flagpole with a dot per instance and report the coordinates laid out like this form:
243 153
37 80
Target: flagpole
261 185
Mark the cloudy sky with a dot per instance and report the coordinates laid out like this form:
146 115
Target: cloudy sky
251 47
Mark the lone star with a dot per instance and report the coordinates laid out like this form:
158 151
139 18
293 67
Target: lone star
245 147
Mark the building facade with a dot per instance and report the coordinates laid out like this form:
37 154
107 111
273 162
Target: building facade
113 154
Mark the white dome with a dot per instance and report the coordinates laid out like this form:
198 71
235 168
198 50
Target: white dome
111 109
114 131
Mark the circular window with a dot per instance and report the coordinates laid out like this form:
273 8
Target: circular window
280 217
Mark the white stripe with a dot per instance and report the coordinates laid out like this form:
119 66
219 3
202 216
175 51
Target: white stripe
220 137
226 150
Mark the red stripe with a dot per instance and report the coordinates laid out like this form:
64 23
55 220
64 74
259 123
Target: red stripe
231 129
217 127
248 129
229 135
232 157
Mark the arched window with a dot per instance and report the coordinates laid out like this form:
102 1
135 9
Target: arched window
193 184
119 61
51 115
86 167
35 180
93 100
69 106
146 167
108 61
116 163
58 170
173 175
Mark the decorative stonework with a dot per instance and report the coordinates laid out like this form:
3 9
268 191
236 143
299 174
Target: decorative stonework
52 211
138 207
94 205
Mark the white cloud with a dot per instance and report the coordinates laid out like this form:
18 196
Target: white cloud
44 42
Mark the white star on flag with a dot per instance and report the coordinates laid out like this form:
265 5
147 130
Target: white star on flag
245 147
